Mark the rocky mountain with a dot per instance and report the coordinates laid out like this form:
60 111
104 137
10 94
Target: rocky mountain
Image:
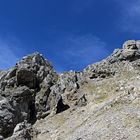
102 102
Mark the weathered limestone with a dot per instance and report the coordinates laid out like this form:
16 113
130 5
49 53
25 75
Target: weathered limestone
32 92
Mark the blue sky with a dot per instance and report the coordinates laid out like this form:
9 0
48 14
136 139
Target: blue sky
69 33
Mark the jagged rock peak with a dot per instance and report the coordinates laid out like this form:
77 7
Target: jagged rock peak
129 52
33 90
32 59
132 44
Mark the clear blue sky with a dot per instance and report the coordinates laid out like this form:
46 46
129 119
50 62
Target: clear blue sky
69 33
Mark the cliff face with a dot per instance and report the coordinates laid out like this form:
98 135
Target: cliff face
99 103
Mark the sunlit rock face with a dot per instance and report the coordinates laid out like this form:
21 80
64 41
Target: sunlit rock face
132 44
99 103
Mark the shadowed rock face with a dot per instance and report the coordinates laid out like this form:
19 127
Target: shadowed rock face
32 91
14 106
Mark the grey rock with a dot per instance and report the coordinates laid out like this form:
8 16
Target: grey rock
67 89
23 131
26 77
22 89
130 44
41 99
15 107
111 65
32 92
6 117
1 137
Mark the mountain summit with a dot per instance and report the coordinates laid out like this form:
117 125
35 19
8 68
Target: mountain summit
102 102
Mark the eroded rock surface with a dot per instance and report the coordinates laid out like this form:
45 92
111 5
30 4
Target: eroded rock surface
100 102
32 90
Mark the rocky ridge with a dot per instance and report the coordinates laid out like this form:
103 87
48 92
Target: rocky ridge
100 102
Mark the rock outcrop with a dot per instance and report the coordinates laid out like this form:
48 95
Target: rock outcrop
100 102
33 90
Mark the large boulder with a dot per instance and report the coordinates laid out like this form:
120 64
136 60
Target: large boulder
15 107
6 117
130 44
23 131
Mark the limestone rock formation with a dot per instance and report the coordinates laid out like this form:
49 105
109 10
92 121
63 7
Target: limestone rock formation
101 102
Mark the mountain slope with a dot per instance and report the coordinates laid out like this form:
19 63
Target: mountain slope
99 103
